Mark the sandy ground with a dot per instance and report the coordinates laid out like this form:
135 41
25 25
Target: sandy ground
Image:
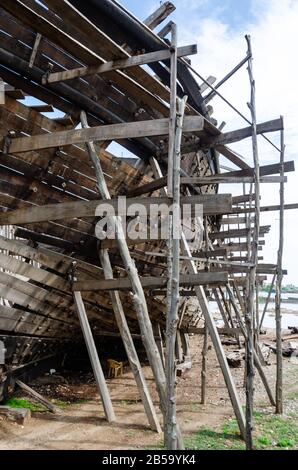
82 425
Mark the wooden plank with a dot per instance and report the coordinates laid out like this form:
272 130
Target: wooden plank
204 181
53 408
152 127
42 108
119 64
212 204
229 177
150 282
236 233
159 15
240 134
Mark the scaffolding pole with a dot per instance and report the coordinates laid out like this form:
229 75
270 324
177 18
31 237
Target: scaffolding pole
279 276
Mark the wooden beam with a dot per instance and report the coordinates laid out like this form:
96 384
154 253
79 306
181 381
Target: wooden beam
236 233
50 406
229 177
117 303
159 15
94 359
119 64
212 204
240 134
153 127
150 282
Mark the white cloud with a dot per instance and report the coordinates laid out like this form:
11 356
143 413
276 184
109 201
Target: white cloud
274 34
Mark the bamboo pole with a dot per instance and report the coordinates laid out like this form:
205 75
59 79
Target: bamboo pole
254 259
279 366
116 300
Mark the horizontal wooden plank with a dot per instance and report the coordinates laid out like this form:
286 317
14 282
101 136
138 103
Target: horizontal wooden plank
150 282
119 64
153 127
228 177
212 204
240 134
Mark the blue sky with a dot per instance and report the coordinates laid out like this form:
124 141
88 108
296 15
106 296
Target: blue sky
233 12
218 27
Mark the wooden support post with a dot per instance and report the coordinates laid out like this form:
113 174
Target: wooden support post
173 109
267 301
204 366
256 360
159 341
191 266
175 137
221 309
138 298
279 378
118 307
94 359
53 408
35 49
252 274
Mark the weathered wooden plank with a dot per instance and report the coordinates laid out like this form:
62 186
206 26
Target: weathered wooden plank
53 408
236 233
150 282
212 204
152 127
119 64
240 134
159 15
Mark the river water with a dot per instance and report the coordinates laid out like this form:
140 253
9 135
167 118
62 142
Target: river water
289 311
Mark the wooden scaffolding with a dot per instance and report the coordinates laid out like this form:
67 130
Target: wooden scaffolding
58 277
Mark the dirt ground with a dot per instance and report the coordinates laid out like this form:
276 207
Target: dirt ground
82 426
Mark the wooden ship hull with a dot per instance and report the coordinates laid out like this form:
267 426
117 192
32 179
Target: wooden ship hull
38 316
68 65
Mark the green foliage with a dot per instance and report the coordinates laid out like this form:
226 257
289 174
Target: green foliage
271 432
23 403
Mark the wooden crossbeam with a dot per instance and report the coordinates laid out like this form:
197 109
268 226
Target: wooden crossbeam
235 233
153 127
228 177
119 64
150 282
212 204
240 134
244 210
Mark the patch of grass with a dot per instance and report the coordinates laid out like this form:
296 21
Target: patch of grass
271 432
23 403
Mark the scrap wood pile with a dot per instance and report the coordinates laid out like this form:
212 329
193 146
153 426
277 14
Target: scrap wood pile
74 82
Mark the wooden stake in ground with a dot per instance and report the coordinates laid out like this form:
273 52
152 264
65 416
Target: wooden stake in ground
116 300
173 286
279 380
204 366
94 359
254 260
